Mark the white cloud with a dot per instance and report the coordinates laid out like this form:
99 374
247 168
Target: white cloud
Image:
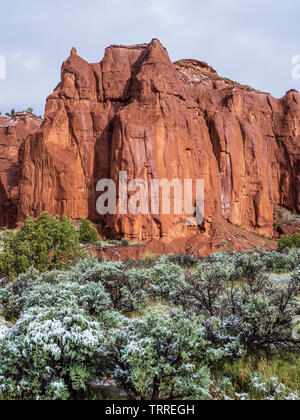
27 61
165 11
32 63
16 56
251 40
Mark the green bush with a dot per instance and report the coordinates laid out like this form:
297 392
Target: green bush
87 233
125 242
289 241
45 243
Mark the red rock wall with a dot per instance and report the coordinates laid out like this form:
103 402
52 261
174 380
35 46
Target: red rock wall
13 132
139 112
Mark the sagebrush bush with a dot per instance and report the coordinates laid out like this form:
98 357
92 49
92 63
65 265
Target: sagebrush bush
183 260
282 262
259 312
201 289
13 292
126 287
158 358
73 330
51 353
163 278
91 297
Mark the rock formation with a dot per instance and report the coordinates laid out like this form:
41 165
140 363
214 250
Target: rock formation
136 111
13 132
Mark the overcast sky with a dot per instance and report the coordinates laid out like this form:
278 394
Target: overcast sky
249 41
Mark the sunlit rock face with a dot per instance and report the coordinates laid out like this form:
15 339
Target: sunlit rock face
136 111
13 132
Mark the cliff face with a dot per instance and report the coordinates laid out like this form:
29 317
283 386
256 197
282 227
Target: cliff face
136 111
13 132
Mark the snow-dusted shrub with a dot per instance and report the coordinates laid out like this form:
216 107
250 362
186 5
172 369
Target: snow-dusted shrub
12 292
91 297
282 262
251 307
267 390
163 279
3 331
272 261
202 288
221 257
223 343
183 260
126 287
161 358
261 313
249 265
51 353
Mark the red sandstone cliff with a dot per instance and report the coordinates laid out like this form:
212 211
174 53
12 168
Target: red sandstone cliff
13 132
137 111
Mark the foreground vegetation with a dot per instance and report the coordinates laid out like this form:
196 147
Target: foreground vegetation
173 327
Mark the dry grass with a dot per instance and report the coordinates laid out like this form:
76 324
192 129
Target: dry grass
287 370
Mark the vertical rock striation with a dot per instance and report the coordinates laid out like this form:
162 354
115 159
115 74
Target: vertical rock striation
13 132
136 111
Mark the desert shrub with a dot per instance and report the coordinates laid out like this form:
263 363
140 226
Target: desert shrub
183 260
227 346
13 293
126 288
45 243
87 232
260 313
282 262
250 265
256 260
221 257
91 297
50 353
149 259
267 390
250 307
202 289
289 241
157 358
163 278
71 331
